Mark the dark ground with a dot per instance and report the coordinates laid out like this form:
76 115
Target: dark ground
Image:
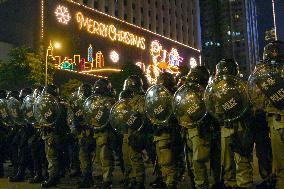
68 183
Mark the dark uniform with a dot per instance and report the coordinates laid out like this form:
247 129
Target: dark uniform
236 139
54 139
274 58
134 173
103 149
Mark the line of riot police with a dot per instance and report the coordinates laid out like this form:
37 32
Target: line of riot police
205 127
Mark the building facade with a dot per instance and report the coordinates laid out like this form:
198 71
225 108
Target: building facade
229 30
175 19
96 41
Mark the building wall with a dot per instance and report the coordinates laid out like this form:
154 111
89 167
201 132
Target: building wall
175 19
229 30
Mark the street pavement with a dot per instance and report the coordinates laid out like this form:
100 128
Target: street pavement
71 183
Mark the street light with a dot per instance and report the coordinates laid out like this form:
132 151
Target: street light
274 18
49 52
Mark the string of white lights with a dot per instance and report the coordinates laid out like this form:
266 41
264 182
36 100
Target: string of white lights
141 28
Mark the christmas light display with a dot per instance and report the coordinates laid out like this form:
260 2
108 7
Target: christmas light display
192 62
114 56
109 31
62 14
90 53
162 61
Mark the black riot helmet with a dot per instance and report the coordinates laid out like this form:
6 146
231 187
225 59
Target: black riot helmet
133 83
25 92
52 89
14 94
167 80
198 74
274 51
102 87
125 94
227 67
3 93
86 89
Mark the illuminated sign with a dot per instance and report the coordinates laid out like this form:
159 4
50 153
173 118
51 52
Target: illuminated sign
162 61
62 14
109 31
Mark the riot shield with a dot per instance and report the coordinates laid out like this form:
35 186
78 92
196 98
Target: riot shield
4 116
46 110
122 117
267 81
27 109
15 111
97 109
77 105
227 98
188 104
158 105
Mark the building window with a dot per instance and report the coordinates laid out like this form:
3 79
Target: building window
142 10
163 7
157 17
125 16
125 2
164 19
106 9
116 13
96 5
133 6
149 13
134 20
142 23
156 4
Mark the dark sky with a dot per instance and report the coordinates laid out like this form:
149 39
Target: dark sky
265 19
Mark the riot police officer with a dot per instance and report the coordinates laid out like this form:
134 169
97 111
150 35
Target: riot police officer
36 145
274 59
24 133
165 138
231 107
85 138
134 173
198 132
3 133
101 133
54 137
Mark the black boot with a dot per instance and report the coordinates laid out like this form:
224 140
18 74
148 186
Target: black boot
38 178
86 182
158 183
19 177
140 186
75 173
51 182
106 185
1 170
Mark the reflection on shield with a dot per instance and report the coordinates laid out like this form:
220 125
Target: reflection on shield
268 81
97 109
46 110
4 116
158 105
189 106
15 111
27 108
77 106
123 117
227 98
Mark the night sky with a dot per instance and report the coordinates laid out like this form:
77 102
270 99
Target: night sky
265 19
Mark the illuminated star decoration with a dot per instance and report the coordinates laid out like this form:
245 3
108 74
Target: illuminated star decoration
114 56
62 14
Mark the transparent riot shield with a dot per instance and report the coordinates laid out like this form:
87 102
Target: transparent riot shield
227 98
267 83
158 105
15 112
123 116
46 110
27 109
188 104
97 109
4 116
